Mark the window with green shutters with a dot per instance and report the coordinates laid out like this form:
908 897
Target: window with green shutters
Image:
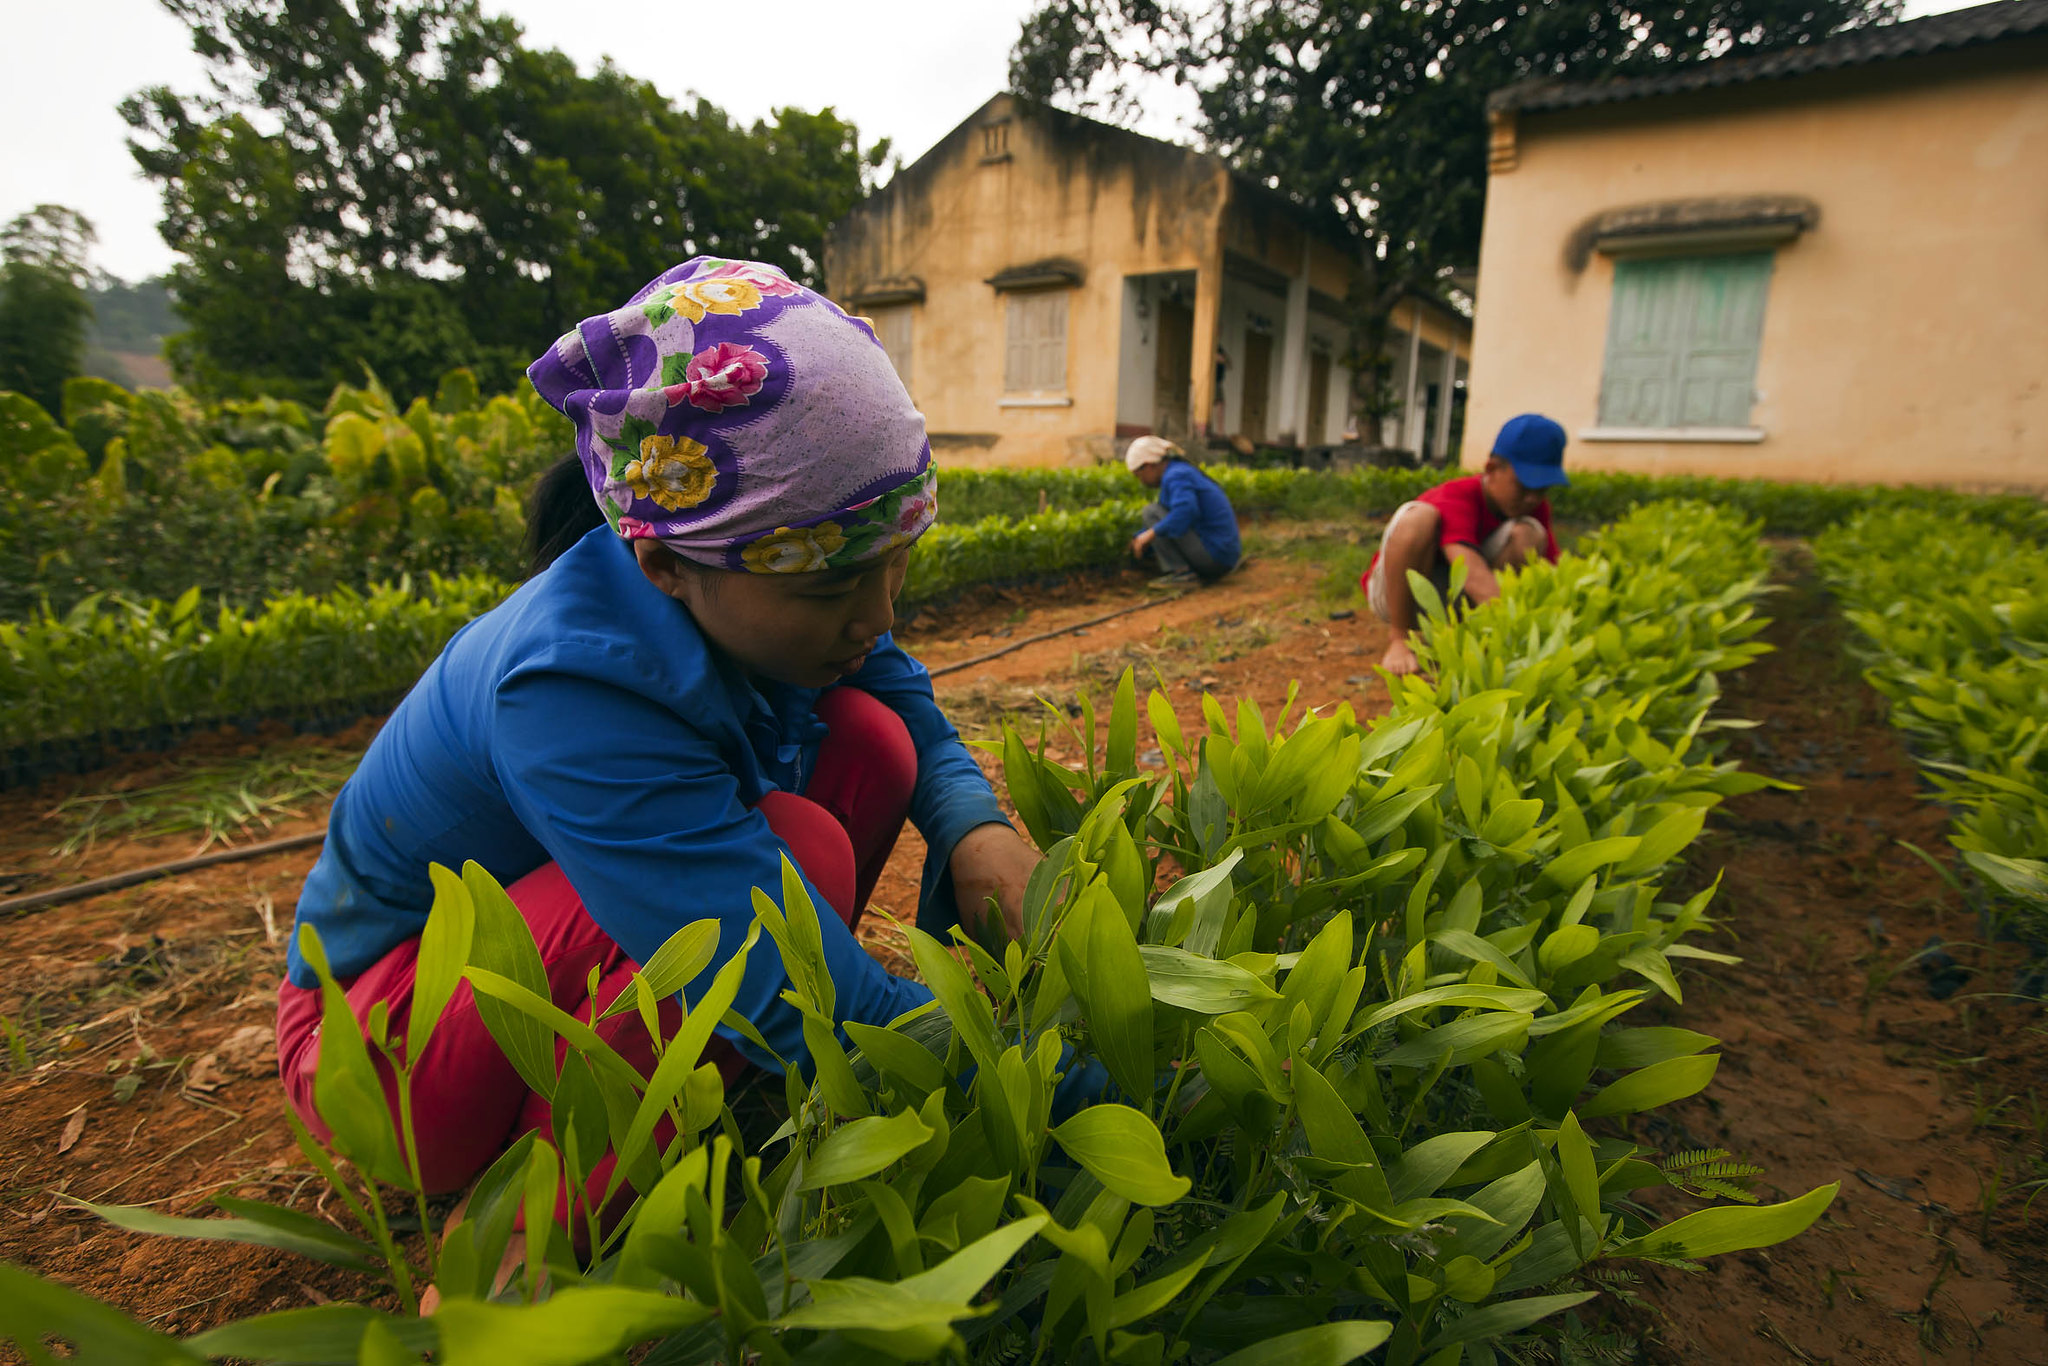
1682 340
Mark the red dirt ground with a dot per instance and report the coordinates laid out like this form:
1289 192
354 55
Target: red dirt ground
1910 1102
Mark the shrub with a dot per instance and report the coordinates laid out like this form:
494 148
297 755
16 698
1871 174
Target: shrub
1954 633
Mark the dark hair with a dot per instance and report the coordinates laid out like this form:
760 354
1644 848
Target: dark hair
560 513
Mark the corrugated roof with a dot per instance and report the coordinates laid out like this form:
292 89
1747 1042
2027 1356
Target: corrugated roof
1857 47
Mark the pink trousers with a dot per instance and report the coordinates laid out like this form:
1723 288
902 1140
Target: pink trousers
469 1103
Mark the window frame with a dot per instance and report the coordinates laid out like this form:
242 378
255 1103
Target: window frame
1710 308
1029 330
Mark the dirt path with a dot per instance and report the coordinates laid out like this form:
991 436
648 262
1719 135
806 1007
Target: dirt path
1841 1066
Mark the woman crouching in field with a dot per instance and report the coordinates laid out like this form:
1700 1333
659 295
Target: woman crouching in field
697 680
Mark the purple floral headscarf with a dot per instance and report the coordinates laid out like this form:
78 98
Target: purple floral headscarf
744 421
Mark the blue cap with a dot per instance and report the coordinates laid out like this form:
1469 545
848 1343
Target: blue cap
1534 445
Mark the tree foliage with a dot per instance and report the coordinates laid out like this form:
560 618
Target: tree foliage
1371 113
44 311
405 184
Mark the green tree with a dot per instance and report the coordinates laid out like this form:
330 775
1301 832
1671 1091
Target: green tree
404 184
1371 113
44 310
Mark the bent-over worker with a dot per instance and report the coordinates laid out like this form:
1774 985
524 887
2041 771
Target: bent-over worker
1496 519
1190 528
698 679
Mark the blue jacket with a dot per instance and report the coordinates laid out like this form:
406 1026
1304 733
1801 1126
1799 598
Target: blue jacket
586 720
1192 499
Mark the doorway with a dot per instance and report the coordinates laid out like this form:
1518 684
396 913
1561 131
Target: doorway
1173 370
1315 423
1258 370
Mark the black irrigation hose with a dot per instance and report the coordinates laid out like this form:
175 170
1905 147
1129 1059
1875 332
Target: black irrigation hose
114 882
945 669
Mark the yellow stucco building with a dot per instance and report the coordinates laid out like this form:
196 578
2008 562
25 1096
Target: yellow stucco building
1827 263
1049 287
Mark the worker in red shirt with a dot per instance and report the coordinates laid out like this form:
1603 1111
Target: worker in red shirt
1495 519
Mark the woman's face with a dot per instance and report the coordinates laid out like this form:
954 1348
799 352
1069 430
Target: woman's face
810 630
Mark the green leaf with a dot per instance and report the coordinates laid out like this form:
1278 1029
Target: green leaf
1625 1049
1581 1176
1465 1040
1663 841
1123 1150
856 1151
1732 1228
832 1075
444 950
1565 946
1144 1300
502 943
1571 868
680 1058
966 1007
347 1092
1335 1135
1211 890
913 1318
1121 754
1509 821
1422 1169
1206 986
1468 1280
261 1225
577 1324
1164 723
1326 1344
898 1056
32 1309
1498 1320
1658 1084
1460 994
1020 775
321 1335
1511 1200
1466 944
1119 998
961 1276
381 1347
675 964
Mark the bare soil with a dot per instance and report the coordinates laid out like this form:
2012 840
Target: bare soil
1840 1063
145 1014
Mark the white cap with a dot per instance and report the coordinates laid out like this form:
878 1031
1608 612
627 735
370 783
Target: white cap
1147 450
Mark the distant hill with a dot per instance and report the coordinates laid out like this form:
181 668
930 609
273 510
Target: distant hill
130 322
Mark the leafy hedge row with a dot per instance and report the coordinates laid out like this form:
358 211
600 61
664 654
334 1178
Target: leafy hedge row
1784 508
1358 1080
113 672
137 493
1955 634
140 493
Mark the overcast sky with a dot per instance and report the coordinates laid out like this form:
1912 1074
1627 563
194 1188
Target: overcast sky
908 70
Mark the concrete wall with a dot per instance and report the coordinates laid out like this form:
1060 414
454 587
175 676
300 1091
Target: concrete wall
1018 185
1048 187
1905 335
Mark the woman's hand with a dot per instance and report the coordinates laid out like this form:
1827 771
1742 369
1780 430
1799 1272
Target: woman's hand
992 861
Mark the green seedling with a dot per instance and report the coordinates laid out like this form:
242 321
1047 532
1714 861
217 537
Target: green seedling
1350 1006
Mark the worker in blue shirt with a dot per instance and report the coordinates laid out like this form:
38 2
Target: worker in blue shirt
1190 530
698 680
